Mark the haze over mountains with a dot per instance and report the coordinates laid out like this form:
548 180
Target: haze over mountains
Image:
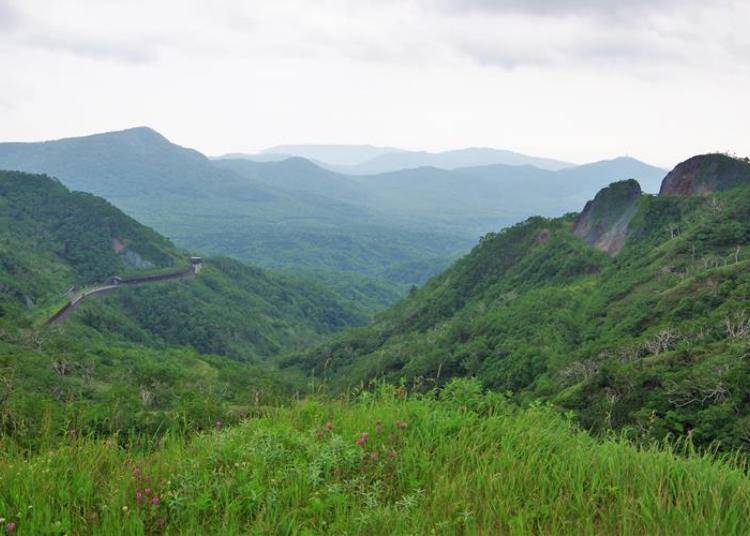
398 227
368 160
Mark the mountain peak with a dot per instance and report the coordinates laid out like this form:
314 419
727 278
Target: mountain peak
141 133
705 174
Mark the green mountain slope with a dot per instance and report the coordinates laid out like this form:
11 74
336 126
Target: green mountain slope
653 337
150 356
52 239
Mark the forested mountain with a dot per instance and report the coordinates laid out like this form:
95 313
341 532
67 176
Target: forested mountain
137 356
650 335
395 229
127 164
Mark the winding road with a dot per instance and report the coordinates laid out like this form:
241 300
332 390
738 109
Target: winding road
60 316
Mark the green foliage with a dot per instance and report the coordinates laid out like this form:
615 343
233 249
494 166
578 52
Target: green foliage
467 464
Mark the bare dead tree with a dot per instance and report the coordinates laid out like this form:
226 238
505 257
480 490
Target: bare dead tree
681 396
738 326
145 396
7 384
62 367
661 342
578 371
88 371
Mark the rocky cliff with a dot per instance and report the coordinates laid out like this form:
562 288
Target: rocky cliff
604 220
706 173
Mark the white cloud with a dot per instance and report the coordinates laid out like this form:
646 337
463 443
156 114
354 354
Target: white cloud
576 79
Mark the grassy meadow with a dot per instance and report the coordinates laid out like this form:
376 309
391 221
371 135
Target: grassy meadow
381 462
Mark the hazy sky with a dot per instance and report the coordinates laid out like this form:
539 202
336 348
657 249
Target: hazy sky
573 79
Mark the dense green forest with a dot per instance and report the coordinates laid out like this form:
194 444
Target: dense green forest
653 339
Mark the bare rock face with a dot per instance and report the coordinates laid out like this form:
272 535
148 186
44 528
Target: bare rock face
704 174
604 220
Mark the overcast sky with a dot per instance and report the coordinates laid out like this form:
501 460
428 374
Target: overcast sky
574 79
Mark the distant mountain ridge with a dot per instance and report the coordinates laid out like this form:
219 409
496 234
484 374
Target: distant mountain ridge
333 154
369 160
473 156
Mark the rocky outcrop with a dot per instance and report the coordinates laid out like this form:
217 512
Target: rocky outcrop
704 174
604 220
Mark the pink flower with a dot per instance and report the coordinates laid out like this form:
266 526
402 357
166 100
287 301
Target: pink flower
136 472
138 496
147 491
10 528
155 500
362 439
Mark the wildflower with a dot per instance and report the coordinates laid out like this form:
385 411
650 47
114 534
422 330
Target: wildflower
10 528
155 500
138 496
392 454
2 520
147 491
136 472
329 426
401 425
362 439
124 508
219 425
374 456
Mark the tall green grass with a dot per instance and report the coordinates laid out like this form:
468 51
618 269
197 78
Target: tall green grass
468 463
